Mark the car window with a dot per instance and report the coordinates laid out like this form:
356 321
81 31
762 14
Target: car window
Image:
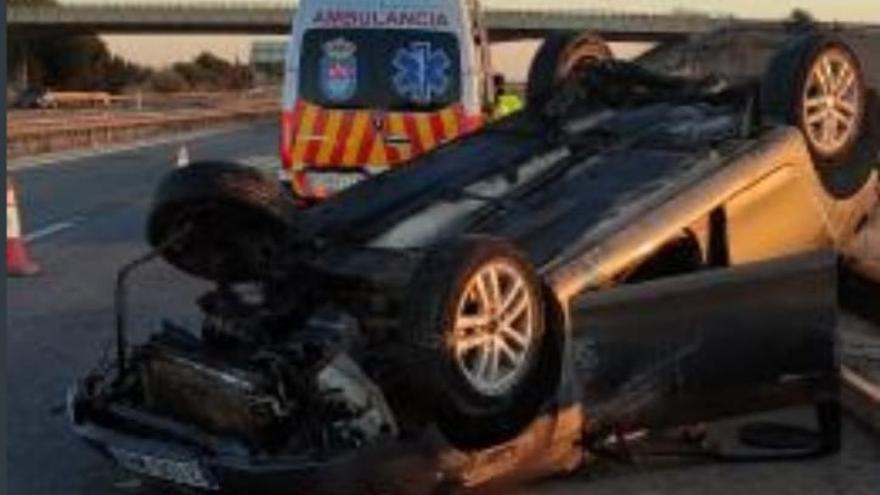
408 70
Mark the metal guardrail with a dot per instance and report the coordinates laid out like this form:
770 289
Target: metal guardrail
26 140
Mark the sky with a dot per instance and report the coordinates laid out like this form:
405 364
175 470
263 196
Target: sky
161 50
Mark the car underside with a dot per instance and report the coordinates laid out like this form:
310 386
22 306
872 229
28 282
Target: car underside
499 305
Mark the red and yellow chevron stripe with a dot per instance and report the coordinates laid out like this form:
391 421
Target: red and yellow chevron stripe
316 137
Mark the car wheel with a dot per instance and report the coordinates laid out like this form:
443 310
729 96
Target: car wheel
474 337
560 57
235 221
817 84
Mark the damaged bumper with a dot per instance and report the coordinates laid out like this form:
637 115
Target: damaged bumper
178 417
167 451
215 467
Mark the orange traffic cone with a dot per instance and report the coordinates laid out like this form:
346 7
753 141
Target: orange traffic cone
18 263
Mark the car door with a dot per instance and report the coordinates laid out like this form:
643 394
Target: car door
710 344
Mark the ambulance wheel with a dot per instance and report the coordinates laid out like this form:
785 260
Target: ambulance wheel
232 220
473 338
559 58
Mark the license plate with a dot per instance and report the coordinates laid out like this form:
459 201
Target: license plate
186 472
334 181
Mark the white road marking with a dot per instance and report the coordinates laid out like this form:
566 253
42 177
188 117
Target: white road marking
70 155
53 229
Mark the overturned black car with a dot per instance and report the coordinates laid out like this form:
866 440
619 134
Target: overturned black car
635 251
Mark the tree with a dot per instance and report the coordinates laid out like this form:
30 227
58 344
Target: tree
83 62
212 63
19 47
77 62
168 81
210 72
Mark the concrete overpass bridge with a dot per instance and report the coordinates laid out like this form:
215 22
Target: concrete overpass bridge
274 18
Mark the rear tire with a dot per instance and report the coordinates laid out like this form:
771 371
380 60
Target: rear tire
473 338
559 58
816 84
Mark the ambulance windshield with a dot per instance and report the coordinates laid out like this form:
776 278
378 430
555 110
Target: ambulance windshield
384 69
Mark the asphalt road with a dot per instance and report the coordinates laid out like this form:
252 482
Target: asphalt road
85 218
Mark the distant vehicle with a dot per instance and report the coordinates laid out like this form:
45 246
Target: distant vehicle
46 99
633 252
370 85
34 98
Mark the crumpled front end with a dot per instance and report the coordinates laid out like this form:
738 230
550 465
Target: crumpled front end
252 405
200 416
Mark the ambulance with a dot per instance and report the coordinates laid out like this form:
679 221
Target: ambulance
370 84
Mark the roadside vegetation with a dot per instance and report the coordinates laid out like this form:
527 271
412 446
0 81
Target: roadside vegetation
84 63
206 72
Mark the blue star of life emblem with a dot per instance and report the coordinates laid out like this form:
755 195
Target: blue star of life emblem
422 73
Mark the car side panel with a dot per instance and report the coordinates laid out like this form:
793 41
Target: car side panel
778 215
605 252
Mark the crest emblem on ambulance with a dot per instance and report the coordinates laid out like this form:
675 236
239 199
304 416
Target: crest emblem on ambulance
339 71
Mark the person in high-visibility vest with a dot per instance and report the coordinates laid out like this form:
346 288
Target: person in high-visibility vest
505 103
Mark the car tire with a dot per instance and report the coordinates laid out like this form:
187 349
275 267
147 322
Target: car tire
473 338
816 84
560 57
236 220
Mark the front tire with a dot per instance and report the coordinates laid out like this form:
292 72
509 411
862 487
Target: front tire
473 340
561 57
